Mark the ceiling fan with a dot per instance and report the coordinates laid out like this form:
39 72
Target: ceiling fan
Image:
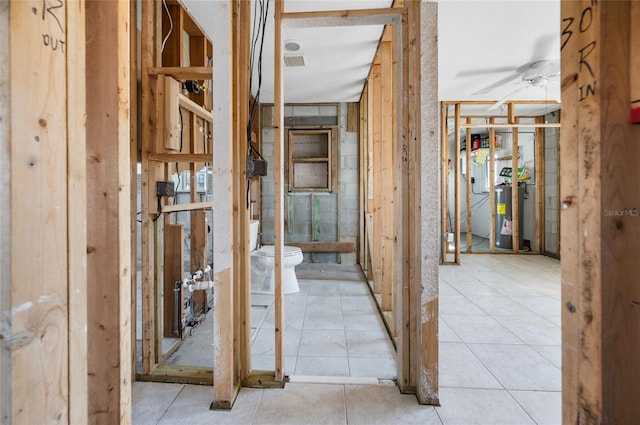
539 74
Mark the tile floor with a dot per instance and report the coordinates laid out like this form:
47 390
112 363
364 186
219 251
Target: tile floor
499 359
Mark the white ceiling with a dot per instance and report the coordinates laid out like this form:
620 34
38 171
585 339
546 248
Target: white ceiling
480 43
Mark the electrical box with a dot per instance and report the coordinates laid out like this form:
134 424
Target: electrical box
256 167
165 189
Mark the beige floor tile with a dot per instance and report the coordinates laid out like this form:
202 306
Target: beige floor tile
458 304
191 407
466 406
302 404
532 329
480 329
151 400
369 344
518 367
373 368
384 405
459 367
322 366
544 407
323 343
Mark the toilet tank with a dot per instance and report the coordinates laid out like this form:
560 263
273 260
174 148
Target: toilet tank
253 234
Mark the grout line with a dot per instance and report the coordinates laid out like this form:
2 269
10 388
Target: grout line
171 404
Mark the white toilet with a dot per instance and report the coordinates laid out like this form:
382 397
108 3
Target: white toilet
262 264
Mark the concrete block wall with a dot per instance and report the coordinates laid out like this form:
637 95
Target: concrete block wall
551 188
339 209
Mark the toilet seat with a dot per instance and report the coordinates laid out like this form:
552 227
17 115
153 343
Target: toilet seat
270 251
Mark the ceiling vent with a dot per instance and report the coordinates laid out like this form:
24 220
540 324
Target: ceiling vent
294 60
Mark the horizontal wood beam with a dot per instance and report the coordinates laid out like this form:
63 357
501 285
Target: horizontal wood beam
195 375
491 102
340 18
324 246
507 125
191 106
181 157
184 72
188 207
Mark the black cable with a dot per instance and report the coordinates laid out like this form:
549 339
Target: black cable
159 213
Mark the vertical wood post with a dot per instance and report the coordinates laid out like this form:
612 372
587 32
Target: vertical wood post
108 206
223 195
5 200
423 190
43 219
634 50
278 123
600 216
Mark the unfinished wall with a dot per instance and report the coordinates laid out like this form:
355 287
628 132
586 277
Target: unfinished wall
335 213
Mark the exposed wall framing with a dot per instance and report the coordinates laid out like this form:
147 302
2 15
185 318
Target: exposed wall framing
450 243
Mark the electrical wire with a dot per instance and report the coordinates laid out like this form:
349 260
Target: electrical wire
164 41
259 25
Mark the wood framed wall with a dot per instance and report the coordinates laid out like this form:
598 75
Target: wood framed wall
409 299
492 122
600 220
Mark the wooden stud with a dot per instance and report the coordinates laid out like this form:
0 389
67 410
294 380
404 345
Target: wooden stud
515 187
134 160
444 189
423 113
634 49
600 227
492 186
407 358
108 203
150 57
338 18
388 185
352 117
37 313
456 170
77 214
278 121
376 255
5 199
362 180
223 308
539 180
245 138
468 188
